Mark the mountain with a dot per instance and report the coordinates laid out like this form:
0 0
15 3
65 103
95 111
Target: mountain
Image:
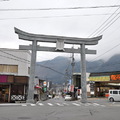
59 69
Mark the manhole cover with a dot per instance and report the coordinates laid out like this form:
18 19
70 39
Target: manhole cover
24 118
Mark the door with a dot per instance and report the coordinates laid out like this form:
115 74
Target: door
4 93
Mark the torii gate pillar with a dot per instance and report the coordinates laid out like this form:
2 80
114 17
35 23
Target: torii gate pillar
30 97
83 74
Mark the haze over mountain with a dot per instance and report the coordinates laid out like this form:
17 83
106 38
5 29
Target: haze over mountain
59 69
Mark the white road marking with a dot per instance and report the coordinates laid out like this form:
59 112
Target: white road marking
59 104
24 105
96 104
33 104
87 104
50 104
76 104
65 104
41 104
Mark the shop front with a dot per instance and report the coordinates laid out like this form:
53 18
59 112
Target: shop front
100 83
13 88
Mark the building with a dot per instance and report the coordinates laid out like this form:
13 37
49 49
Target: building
101 82
14 74
77 83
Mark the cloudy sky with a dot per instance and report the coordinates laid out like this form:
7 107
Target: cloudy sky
72 18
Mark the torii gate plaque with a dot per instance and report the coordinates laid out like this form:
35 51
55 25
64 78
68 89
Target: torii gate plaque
60 41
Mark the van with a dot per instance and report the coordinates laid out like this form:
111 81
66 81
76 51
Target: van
114 95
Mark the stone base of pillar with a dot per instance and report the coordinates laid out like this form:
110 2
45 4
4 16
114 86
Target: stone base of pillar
84 100
30 101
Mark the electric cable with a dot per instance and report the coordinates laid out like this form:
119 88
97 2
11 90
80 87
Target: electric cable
73 8
105 23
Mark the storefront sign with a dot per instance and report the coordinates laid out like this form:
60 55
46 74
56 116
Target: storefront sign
72 88
45 83
3 78
100 78
115 77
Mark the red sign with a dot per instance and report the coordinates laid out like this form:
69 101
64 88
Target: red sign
72 88
3 78
115 77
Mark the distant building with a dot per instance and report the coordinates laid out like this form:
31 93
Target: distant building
77 82
14 74
101 82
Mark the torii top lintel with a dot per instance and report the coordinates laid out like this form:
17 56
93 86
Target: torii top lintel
50 38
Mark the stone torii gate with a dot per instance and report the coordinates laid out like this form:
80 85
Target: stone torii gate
60 41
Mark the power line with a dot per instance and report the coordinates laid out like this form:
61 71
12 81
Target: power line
51 69
12 58
105 23
21 60
106 52
55 16
109 25
74 8
15 56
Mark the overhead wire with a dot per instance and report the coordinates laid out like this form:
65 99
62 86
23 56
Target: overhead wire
54 16
67 8
15 56
103 27
21 60
105 23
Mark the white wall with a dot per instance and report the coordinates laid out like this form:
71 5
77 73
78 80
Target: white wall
16 57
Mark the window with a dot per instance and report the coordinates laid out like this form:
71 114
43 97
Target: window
115 92
8 68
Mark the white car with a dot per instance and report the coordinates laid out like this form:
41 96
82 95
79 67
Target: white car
114 95
79 97
68 97
50 96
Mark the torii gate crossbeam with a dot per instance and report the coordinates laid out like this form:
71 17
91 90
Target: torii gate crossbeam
60 41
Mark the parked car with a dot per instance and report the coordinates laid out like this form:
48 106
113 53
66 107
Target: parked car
114 95
68 97
50 96
56 97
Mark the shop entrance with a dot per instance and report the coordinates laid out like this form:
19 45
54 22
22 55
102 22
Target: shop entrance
4 93
102 88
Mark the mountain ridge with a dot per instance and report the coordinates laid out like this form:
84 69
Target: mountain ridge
59 69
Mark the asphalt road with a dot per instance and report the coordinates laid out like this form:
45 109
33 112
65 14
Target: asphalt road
58 109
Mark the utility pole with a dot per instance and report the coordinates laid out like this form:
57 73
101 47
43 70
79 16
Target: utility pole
73 65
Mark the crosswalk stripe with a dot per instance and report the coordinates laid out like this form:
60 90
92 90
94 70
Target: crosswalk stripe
24 105
65 104
50 104
96 104
76 104
59 104
41 104
33 104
